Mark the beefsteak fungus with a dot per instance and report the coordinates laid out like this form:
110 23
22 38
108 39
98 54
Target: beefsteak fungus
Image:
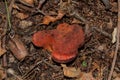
63 42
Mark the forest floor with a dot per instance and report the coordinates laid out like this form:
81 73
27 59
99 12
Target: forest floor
22 60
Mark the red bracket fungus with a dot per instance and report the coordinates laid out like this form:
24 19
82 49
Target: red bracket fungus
63 42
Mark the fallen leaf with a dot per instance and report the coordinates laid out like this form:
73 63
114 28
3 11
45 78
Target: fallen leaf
22 15
116 75
114 34
2 74
117 78
75 21
86 76
73 72
25 24
70 71
2 51
15 7
47 19
28 1
60 15
17 47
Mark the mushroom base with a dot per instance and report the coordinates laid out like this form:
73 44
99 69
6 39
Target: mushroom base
63 60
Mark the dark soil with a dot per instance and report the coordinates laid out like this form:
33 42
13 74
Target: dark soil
98 50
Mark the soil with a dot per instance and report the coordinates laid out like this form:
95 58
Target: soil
96 18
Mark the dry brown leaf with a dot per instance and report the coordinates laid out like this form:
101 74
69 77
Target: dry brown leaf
15 7
2 51
70 71
87 76
75 21
60 15
22 15
17 47
2 74
47 19
114 34
29 1
117 78
73 72
116 75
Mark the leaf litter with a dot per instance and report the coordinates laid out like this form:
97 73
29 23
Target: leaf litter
72 12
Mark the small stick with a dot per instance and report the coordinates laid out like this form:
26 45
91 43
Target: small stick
29 72
78 16
4 61
27 4
54 67
103 32
8 10
25 7
117 43
8 17
41 12
41 2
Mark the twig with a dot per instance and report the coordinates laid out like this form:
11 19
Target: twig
53 66
102 32
78 16
41 2
39 11
10 31
29 72
4 61
25 3
8 15
117 43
